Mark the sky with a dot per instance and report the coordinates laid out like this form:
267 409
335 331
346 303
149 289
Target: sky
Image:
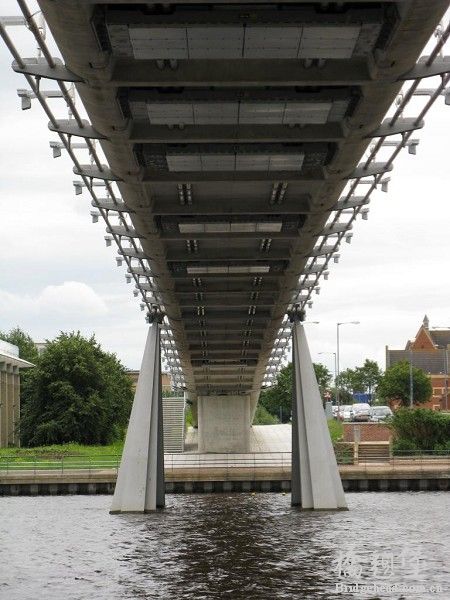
56 274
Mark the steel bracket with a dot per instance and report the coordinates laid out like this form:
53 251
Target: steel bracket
94 172
400 126
71 127
36 68
372 169
440 66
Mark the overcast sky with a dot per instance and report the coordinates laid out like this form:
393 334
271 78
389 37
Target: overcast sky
57 275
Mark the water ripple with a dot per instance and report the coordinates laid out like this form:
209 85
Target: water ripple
242 547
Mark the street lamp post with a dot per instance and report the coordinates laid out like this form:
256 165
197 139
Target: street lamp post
411 380
337 358
335 364
446 379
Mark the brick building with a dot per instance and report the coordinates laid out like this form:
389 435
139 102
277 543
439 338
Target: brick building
166 380
428 351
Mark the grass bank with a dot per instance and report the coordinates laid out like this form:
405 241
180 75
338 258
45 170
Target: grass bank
62 450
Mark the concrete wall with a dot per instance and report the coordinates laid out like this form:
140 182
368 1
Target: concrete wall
224 423
368 432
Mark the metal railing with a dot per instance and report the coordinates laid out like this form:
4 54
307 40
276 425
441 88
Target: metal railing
58 464
224 463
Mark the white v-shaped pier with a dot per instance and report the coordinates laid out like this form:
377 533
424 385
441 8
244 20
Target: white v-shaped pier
316 483
140 481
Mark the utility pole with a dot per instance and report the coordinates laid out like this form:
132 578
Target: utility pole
411 381
337 358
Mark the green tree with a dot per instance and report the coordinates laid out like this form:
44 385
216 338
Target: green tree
395 384
345 397
27 348
367 377
323 377
277 400
77 393
346 381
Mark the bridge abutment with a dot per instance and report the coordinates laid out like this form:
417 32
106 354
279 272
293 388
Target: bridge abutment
316 484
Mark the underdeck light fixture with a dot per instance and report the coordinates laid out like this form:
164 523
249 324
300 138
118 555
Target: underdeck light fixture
336 258
25 101
26 96
108 240
119 261
128 278
56 150
348 238
412 147
95 215
58 147
385 184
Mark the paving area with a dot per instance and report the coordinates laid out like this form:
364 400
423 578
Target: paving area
263 438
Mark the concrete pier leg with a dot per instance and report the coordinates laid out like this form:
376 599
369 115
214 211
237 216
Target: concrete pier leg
224 423
140 481
316 483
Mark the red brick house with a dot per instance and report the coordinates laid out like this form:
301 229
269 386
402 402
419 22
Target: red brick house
428 351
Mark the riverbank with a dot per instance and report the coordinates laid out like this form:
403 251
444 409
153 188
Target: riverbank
232 473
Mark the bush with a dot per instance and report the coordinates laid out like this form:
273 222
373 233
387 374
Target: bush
404 447
344 453
336 430
442 448
188 416
263 417
422 428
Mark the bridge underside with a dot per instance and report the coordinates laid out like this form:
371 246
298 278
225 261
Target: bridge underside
232 129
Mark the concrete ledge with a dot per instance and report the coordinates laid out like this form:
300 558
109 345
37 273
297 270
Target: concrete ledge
218 487
383 477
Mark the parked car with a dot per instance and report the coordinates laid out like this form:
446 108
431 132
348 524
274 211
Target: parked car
380 413
345 413
361 412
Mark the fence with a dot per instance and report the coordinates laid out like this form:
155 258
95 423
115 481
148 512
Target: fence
257 462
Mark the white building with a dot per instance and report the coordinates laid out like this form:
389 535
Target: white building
10 365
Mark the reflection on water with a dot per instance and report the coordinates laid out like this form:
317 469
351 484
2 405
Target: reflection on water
239 546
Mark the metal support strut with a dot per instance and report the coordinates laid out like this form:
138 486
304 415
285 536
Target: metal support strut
140 480
316 483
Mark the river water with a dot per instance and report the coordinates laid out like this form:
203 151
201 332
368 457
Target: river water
237 546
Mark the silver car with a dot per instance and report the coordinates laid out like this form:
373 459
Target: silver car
361 412
380 413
